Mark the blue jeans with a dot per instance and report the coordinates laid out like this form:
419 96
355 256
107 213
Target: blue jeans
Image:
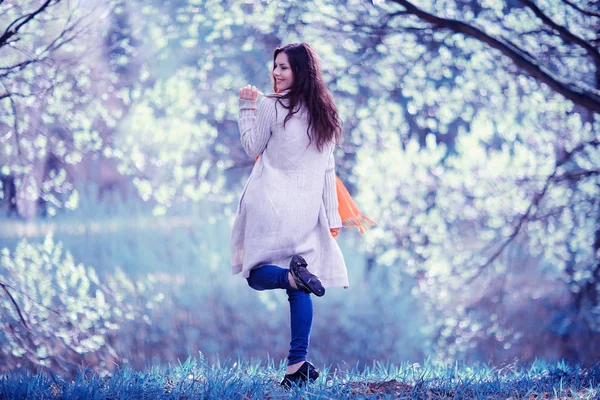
301 309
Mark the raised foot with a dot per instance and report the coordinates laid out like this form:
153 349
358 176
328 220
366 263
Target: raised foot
305 280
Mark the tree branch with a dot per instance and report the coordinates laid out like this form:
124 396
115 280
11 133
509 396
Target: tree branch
581 10
576 175
8 94
56 44
532 206
566 35
10 31
15 67
585 96
522 221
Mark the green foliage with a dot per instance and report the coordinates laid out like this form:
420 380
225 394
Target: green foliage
57 313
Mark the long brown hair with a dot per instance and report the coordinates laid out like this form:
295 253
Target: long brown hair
309 88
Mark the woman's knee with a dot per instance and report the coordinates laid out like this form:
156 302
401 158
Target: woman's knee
268 277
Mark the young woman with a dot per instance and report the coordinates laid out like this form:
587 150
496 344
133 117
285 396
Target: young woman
282 237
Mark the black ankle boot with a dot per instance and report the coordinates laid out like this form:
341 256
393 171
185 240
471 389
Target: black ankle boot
306 373
305 281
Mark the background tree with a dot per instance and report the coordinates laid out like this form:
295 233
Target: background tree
54 84
509 199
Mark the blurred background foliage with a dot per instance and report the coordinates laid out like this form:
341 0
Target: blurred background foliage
470 137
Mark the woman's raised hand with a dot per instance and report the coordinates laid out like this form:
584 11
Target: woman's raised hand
249 93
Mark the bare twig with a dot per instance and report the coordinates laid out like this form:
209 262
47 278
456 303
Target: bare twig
19 22
6 285
65 30
522 221
15 305
26 52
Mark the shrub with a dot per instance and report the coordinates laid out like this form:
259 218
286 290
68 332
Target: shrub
57 313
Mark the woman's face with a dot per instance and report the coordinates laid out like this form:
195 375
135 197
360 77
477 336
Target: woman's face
282 73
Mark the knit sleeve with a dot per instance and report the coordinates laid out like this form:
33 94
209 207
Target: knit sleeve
255 123
330 198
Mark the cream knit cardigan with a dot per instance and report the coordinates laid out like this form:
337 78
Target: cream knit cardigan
290 200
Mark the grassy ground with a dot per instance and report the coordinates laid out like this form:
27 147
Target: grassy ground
244 380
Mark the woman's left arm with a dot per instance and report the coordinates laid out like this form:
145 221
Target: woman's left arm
330 198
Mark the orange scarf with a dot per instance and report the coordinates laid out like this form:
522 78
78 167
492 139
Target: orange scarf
349 212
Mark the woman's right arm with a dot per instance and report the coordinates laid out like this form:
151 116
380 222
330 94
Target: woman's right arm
255 124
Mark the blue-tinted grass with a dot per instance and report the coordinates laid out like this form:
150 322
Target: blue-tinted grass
198 379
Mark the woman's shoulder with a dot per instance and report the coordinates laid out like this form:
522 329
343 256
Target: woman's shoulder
273 100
